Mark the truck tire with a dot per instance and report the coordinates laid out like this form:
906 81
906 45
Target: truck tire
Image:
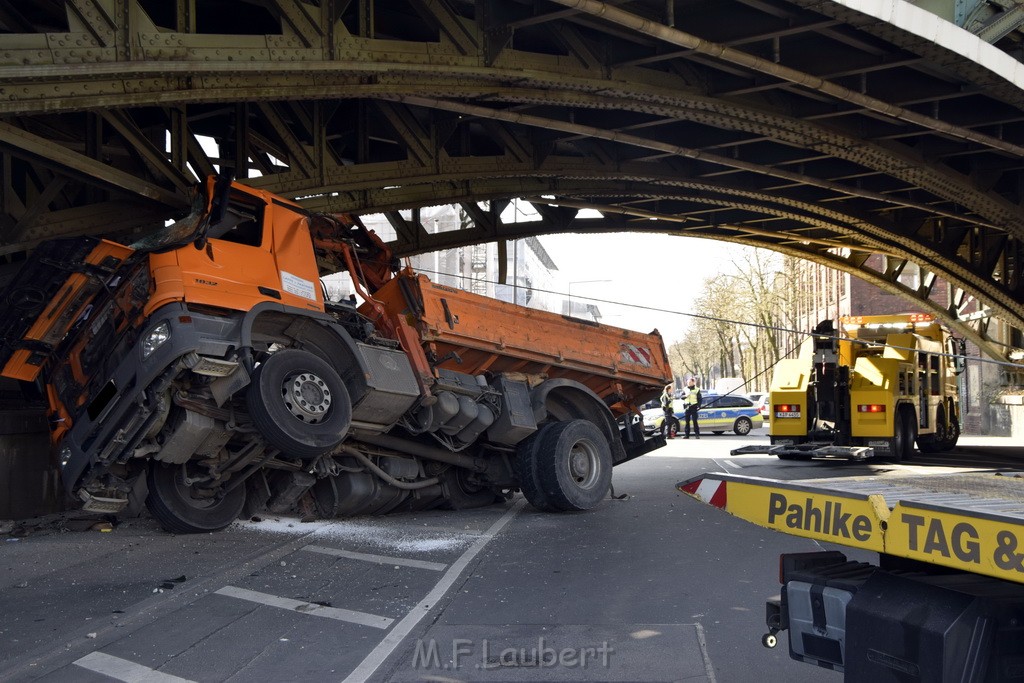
172 502
299 404
910 420
526 470
945 436
901 443
742 426
952 434
462 494
574 465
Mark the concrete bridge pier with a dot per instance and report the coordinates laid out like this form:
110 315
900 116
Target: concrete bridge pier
29 478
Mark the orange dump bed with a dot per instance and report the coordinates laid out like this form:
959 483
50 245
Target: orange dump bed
489 335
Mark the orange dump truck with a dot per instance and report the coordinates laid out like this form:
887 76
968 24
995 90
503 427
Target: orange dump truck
203 367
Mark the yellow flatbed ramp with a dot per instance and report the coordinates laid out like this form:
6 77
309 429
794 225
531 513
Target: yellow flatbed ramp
973 522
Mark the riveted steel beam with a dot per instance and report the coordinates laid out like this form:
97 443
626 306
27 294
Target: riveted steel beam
62 160
755 121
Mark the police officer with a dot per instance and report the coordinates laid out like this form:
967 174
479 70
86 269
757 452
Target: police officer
692 401
671 423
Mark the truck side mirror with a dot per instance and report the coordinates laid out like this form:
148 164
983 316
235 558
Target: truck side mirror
959 349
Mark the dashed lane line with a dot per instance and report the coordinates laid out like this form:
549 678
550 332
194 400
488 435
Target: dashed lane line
404 627
125 670
310 608
53 655
378 559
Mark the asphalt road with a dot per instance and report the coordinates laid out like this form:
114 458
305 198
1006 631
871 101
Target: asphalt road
653 587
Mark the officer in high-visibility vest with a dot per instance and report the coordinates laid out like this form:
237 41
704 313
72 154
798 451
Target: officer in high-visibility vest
670 426
692 401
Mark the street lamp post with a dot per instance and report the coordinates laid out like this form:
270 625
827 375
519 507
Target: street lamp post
580 282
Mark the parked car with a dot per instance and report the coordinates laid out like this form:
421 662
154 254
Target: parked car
648 417
757 396
719 414
764 408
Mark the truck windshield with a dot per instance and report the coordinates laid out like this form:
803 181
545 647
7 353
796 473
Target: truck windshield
177 233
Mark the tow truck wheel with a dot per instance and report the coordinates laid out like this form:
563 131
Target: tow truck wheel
574 465
742 426
299 404
952 434
910 427
901 443
933 443
181 509
945 437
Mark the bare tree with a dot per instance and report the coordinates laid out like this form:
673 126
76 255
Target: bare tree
743 309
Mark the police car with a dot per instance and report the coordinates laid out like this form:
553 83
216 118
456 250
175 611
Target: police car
719 414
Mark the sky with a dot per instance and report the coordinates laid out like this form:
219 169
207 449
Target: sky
638 281
661 272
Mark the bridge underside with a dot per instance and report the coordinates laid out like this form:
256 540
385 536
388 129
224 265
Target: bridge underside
802 126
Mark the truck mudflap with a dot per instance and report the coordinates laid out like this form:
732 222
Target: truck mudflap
970 522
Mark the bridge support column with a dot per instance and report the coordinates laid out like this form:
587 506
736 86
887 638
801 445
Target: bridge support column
29 478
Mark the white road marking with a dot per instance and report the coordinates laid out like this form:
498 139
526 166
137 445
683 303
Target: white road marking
704 652
311 608
124 670
379 559
728 463
395 637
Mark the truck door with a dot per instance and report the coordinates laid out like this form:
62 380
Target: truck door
259 252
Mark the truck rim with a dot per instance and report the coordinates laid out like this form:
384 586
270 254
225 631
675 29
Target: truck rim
307 396
583 464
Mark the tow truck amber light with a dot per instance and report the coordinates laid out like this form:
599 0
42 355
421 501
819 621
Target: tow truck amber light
871 408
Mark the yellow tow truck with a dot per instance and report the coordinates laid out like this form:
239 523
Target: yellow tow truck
872 387
945 602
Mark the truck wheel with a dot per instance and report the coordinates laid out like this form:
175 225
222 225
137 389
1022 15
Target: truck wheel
460 493
952 434
910 427
933 443
574 465
945 437
175 506
526 470
742 426
901 443
299 404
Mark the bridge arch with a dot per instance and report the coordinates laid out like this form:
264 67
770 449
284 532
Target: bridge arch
811 128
